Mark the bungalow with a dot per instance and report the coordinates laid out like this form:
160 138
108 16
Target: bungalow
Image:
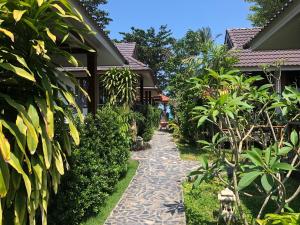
275 43
147 88
105 55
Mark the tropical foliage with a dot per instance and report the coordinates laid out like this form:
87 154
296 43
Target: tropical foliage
154 48
147 121
184 96
254 120
94 8
284 219
96 166
263 10
120 86
35 123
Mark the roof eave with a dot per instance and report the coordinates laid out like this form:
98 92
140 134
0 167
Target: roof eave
100 35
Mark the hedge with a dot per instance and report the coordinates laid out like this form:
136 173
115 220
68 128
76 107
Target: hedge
95 167
150 121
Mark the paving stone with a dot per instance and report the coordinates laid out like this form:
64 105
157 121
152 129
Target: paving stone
156 186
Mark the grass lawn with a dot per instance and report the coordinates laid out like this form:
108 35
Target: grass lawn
115 197
188 152
193 152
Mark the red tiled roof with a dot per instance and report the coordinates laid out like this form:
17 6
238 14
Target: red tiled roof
252 58
240 36
249 58
127 49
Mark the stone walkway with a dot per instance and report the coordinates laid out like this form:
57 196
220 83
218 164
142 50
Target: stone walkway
154 192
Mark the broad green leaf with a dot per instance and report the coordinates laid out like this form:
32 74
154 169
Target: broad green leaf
4 178
14 130
204 162
8 34
267 182
282 166
248 178
73 131
69 97
34 116
20 209
203 142
284 150
198 181
58 161
294 138
16 164
4 146
67 143
1 213
255 157
48 116
202 120
46 146
18 71
267 153
38 171
17 14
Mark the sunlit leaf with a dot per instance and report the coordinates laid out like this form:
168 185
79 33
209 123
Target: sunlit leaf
17 14
18 71
8 34
248 178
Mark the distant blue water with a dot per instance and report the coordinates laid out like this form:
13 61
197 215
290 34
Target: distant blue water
161 106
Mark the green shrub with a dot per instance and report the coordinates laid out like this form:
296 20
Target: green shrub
284 219
95 167
149 122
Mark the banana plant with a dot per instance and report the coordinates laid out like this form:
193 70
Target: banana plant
36 123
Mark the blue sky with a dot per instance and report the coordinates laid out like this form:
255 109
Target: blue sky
179 15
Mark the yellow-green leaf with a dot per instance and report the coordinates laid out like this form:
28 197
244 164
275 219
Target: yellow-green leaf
38 171
50 35
60 9
46 146
59 161
4 178
4 145
48 116
40 2
17 14
20 208
1 214
18 71
73 131
16 164
34 116
8 34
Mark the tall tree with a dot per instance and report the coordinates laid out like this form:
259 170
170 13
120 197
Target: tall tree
191 45
100 16
263 10
154 48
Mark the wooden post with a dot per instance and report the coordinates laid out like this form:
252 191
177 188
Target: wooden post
93 89
142 90
150 102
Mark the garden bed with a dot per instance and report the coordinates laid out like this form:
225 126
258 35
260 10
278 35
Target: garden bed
202 205
113 199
